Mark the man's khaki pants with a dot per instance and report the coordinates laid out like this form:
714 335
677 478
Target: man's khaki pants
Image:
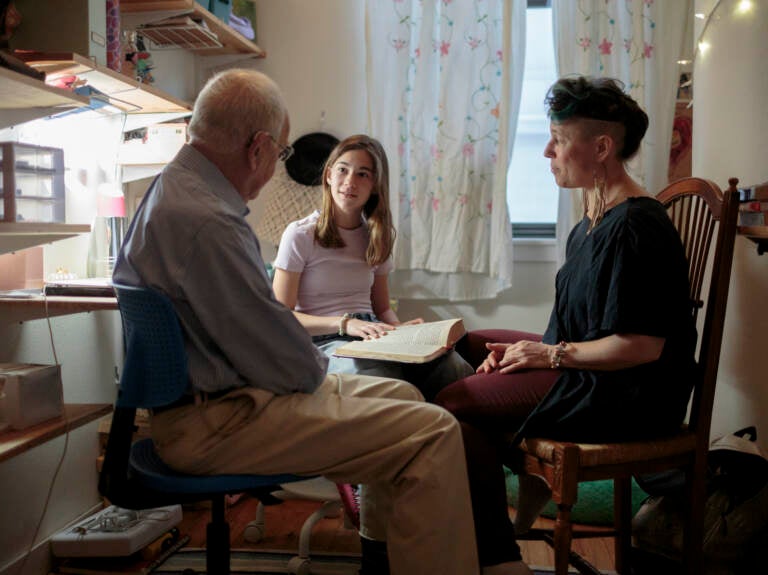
407 454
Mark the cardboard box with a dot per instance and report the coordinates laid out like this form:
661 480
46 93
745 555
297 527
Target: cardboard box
22 269
30 394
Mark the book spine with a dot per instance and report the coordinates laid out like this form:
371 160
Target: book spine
163 557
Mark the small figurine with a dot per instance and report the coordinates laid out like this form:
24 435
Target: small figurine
138 61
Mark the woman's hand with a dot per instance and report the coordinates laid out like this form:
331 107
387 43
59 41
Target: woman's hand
609 353
367 329
413 321
509 357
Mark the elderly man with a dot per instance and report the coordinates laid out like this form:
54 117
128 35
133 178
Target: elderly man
259 398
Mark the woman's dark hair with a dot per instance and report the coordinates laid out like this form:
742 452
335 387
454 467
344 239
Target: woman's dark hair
601 99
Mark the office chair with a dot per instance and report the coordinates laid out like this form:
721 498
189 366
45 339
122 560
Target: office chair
155 374
705 217
333 497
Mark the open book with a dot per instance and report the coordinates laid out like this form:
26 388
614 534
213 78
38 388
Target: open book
417 343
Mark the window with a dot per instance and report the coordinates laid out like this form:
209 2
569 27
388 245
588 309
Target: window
531 189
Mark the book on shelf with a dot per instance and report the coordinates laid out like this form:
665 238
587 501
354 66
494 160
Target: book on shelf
417 343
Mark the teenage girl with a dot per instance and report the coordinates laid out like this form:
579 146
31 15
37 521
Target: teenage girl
332 267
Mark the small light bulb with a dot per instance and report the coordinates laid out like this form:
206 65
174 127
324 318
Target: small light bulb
700 15
744 6
703 47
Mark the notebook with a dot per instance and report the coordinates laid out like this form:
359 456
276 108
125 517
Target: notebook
86 287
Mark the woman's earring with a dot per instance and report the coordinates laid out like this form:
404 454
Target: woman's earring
598 192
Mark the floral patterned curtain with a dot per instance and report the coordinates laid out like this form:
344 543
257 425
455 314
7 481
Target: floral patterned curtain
638 42
443 90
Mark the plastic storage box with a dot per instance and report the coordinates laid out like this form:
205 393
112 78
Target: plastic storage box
115 532
31 183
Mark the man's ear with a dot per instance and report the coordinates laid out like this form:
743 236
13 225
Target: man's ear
255 150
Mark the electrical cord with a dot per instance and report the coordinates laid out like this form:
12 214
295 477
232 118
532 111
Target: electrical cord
63 452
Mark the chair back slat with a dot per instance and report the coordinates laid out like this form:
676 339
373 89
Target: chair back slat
155 368
705 217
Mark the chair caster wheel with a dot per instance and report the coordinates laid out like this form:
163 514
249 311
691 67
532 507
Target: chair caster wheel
299 566
253 533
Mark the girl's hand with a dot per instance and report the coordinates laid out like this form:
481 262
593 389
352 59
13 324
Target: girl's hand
367 329
413 321
509 357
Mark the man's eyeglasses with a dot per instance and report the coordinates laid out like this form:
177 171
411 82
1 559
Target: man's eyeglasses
285 151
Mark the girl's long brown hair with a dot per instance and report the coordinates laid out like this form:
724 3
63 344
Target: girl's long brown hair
376 212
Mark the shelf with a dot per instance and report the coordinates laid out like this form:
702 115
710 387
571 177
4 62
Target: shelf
23 98
13 310
18 236
758 234
13 443
125 93
139 14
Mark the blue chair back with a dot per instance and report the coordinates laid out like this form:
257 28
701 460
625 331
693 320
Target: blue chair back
155 373
155 368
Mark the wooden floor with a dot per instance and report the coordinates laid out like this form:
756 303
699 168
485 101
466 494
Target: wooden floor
284 521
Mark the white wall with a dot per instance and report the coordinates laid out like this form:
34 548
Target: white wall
730 138
315 52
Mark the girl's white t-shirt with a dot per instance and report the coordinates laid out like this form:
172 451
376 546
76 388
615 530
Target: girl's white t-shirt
334 281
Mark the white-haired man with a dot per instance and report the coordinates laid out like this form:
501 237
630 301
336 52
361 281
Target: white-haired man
260 400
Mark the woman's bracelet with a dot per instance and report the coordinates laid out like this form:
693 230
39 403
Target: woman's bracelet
557 355
343 324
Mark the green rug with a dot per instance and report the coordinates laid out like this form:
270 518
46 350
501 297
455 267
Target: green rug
594 504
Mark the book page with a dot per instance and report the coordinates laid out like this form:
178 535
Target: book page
434 333
409 343
391 351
